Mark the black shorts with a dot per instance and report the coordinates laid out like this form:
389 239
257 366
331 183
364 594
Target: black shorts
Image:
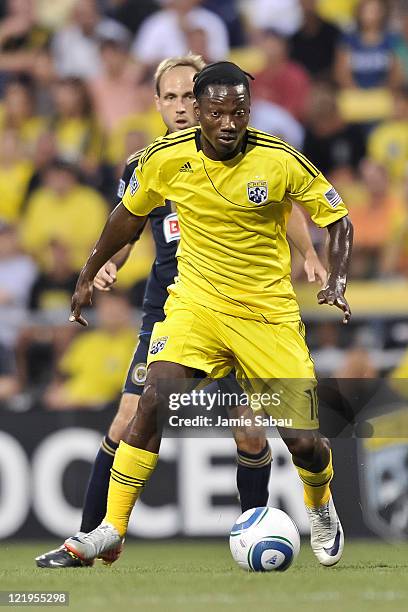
136 375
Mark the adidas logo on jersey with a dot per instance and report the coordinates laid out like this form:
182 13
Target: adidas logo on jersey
186 168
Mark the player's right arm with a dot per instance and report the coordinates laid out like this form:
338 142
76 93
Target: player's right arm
119 229
127 219
106 276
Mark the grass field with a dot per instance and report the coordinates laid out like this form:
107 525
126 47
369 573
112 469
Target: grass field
201 576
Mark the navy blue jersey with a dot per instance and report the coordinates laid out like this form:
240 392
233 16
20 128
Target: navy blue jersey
166 234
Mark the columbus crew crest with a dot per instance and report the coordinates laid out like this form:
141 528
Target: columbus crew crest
384 475
158 345
257 191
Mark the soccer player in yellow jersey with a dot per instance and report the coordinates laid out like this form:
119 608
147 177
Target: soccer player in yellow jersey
232 304
174 100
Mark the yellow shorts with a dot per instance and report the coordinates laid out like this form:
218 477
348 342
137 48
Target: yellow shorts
267 357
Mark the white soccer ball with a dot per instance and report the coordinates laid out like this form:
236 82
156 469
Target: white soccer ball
264 539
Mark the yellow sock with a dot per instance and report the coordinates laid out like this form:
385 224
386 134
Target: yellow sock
316 485
132 468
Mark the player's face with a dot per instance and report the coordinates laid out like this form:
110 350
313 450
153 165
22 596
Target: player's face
223 113
176 99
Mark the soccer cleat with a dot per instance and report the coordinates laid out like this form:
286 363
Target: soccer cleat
60 558
95 543
326 533
110 556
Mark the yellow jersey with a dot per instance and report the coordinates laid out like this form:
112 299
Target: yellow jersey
75 219
388 145
95 365
78 138
14 181
233 254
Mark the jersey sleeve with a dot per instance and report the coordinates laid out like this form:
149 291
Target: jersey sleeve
130 167
124 181
143 192
309 188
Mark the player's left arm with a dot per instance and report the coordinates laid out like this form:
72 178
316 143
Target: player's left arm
307 186
299 235
339 255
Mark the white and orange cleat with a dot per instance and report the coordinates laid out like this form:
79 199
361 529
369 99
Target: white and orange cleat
110 556
326 533
96 543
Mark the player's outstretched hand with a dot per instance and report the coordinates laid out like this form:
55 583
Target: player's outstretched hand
106 277
82 297
315 271
335 297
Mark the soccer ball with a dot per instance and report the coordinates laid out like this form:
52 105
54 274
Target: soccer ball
264 539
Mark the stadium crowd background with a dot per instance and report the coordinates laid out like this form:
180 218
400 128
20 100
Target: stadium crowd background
76 98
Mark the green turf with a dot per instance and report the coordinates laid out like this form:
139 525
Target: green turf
201 576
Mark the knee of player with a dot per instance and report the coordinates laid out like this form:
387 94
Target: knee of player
151 400
251 444
303 448
127 410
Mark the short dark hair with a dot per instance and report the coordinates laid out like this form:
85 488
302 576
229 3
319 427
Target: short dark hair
220 73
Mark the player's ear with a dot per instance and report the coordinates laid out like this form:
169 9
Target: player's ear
157 102
196 110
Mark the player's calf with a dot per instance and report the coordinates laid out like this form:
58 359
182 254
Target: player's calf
253 470
126 411
311 455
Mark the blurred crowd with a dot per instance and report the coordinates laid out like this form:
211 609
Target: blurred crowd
76 98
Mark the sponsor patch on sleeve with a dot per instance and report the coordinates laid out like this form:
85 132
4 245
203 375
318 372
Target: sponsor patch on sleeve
121 188
332 197
171 228
133 184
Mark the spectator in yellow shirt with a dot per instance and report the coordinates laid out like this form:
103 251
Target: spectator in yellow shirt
15 175
17 113
78 135
388 143
63 209
92 370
